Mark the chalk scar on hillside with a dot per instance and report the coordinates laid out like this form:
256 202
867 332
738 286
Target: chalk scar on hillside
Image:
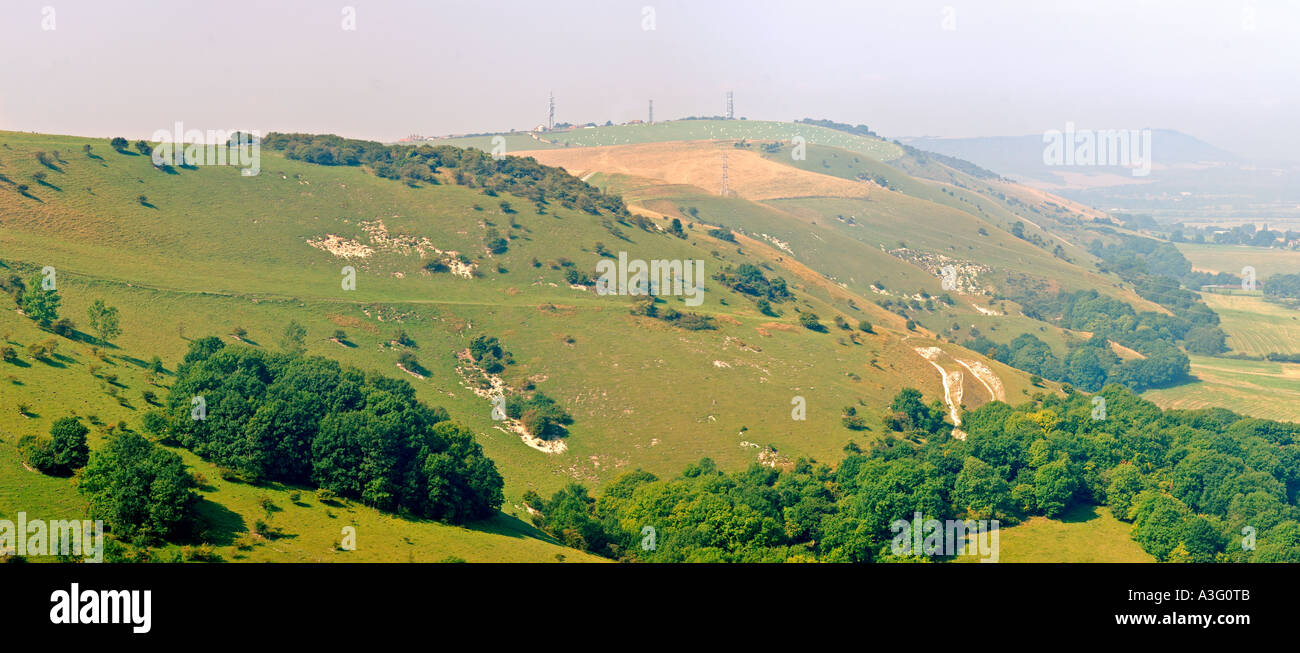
381 241
497 388
952 390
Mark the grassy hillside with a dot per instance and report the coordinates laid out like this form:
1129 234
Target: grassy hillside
859 232
77 382
878 242
211 252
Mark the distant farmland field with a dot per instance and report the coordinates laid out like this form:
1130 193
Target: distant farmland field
1256 388
1255 326
1232 258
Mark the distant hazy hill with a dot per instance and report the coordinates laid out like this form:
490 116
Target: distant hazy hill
1189 177
1021 157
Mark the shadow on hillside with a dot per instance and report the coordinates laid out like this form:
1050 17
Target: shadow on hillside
91 340
63 358
47 184
503 524
83 337
132 360
1079 514
18 362
499 524
56 361
221 524
1174 383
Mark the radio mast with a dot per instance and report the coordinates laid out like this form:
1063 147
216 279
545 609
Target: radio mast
724 175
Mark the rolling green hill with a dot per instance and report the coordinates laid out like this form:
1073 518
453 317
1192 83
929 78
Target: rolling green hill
859 232
205 251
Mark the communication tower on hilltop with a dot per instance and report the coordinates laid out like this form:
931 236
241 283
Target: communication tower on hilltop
731 109
724 175
550 119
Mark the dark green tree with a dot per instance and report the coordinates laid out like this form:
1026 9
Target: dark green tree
68 443
103 320
141 491
40 304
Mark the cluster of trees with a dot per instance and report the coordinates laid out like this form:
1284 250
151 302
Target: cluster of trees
922 157
494 242
308 420
1190 483
810 321
1157 269
860 130
1160 273
910 414
523 177
1018 230
143 492
649 307
875 178
541 415
489 353
61 454
1245 234
722 233
41 305
1092 364
906 306
748 279
687 320
1283 286
1089 365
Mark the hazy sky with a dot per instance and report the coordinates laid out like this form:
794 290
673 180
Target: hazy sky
1227 72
